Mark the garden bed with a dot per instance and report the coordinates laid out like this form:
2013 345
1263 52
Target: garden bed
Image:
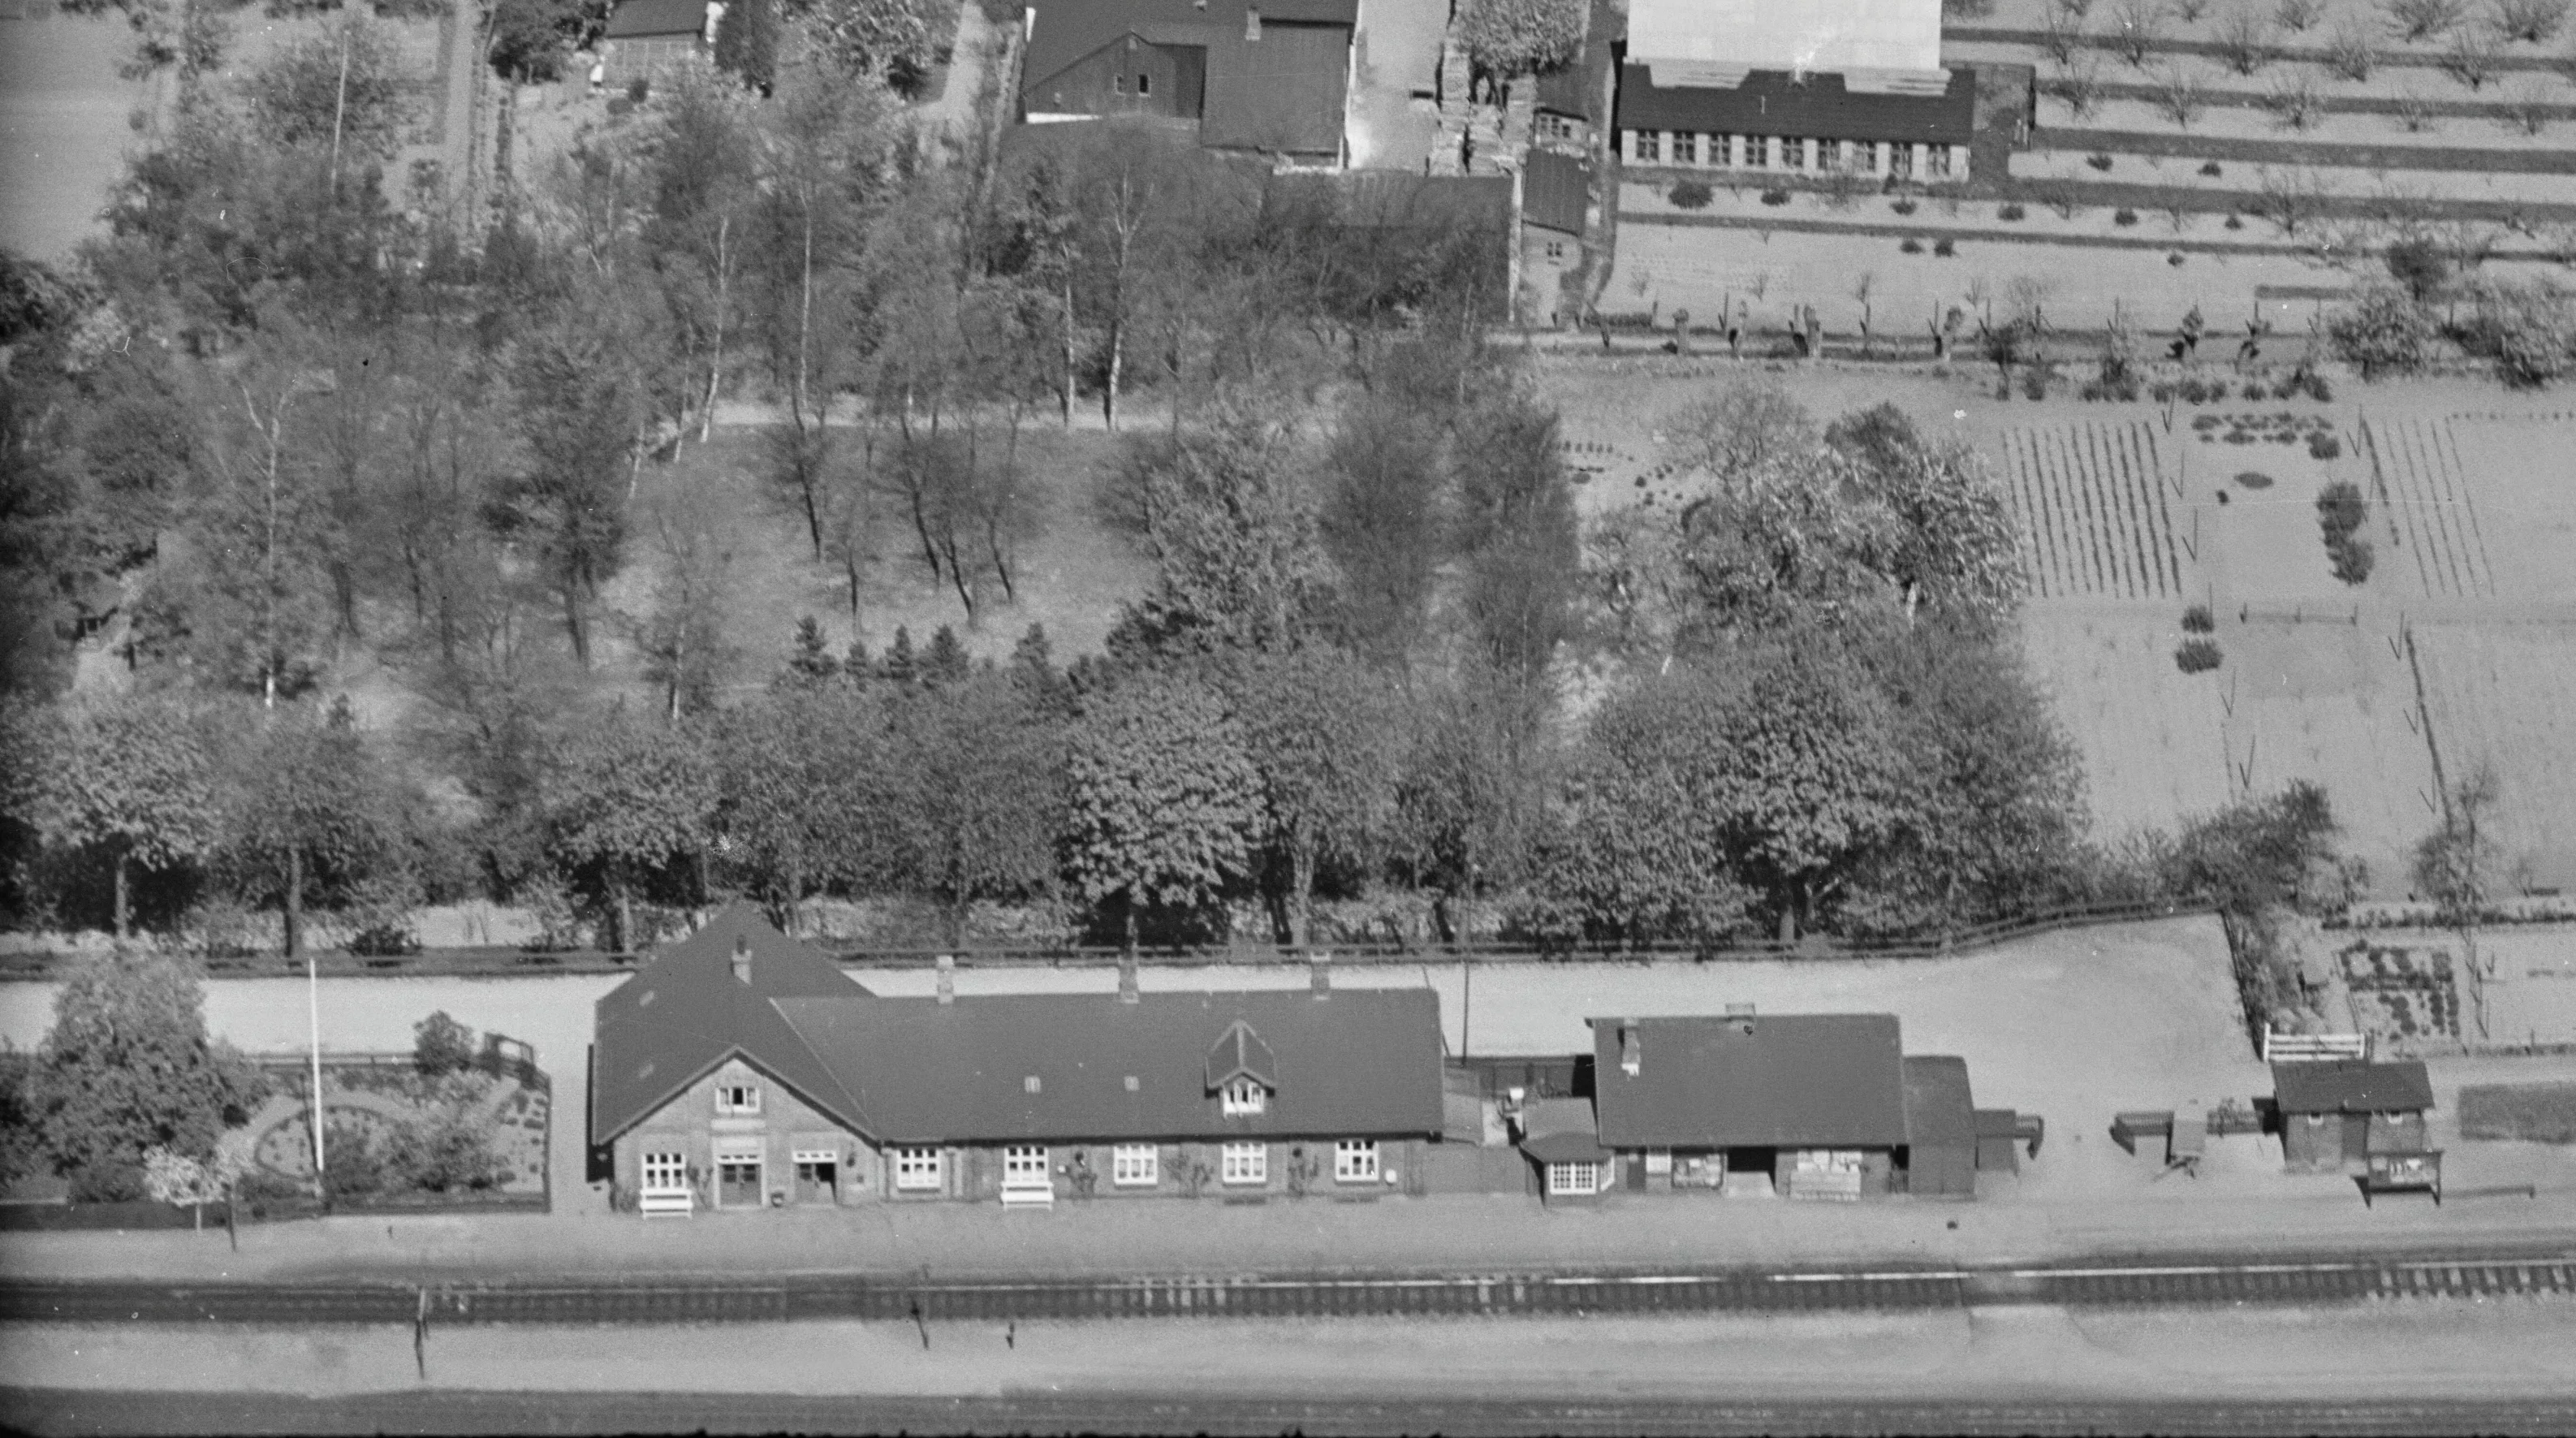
2402 993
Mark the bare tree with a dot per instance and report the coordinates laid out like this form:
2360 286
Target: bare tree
2136 26
2294 99
2244 40
2471 57
2061 34
2078 82
2296 16
2290 197
2534 22
2348 51
2179 95
2413 20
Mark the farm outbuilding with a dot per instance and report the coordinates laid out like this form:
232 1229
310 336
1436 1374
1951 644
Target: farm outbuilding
2338 1113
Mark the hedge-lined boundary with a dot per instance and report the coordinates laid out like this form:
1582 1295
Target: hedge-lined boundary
2285 54
2297 152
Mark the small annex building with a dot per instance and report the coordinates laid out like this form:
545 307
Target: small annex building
741 1069
1829 85
2340 1113
1267 76
1809 1106
645 37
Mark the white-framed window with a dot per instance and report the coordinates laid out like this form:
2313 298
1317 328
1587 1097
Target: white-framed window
1242 1095
1024 1165
1649 145
1244 1163
1829 154
1135 1165
664 1172
1757 152
1937 160
916 1169
1686 148
1793 154
1579 1179
1355 1160
737 1098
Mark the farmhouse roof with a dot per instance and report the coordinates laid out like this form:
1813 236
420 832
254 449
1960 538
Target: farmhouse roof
1048 1067
1556 190
1779 1080
1770 102
1282 91
2351 1086
684 1012
644 19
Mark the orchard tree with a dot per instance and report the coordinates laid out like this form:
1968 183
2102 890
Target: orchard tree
128 1067
1163 800
2460 867
629 799
2383 331
126 778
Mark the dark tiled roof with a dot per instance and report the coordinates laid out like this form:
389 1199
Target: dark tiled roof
1795 1080
1937 1107
683 1013
1555 192
644 19
1362 1062
1767 103
2351 1086
1561 1130
1282 92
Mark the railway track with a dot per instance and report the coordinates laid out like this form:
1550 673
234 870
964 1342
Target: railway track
2295 1283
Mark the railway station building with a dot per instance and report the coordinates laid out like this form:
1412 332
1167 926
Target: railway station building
740 1069
2339 1113
1854 86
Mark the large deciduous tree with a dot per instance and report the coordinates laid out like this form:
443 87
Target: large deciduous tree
128 1067
630 799
1163 802
979 791
311 813
1321 732
126 778
1225 513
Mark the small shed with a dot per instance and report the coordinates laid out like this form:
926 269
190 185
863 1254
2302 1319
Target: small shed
644 36
2336 1114
1941 1128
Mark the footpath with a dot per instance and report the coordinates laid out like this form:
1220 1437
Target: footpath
2307 1216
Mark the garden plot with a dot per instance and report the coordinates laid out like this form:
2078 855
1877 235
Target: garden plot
2150 736
2396 186
2522 513
2329 16
2431 525
2330 702
2504 694
2095 511
2266 542
1699 267
371 1111
2407 995
2243 123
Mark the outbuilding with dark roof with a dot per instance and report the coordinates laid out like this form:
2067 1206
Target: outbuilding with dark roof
1270 76
2336 1113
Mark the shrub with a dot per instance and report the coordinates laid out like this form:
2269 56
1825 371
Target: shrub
1522 37
2124 218
2294 100
2348 52
2352 560
2384 331
2324 446
354 1163
2196 620
2235 222
2034 381
2010 212
2471 58
2211 170
1911 246
2413 20
2529 108
2174 259
2413 115
1902 207
2525 329
445 1151
619 105
2190 11
1945 248
2420 264
2196 656
2531 21
2243 40
639 89
2100 162
2254 390
2341 512
441 1045
1775 197
2319 390
1691 195
2298 15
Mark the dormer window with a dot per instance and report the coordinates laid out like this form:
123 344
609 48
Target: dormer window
1242 1095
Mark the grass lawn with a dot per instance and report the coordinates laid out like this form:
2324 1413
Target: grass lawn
2532 1113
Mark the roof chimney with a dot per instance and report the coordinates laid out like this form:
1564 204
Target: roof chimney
1127 981
1319 975
742 958
1631 1049
948 978
1740 1015
1252 23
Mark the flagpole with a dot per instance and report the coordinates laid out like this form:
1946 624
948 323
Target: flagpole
313 1013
